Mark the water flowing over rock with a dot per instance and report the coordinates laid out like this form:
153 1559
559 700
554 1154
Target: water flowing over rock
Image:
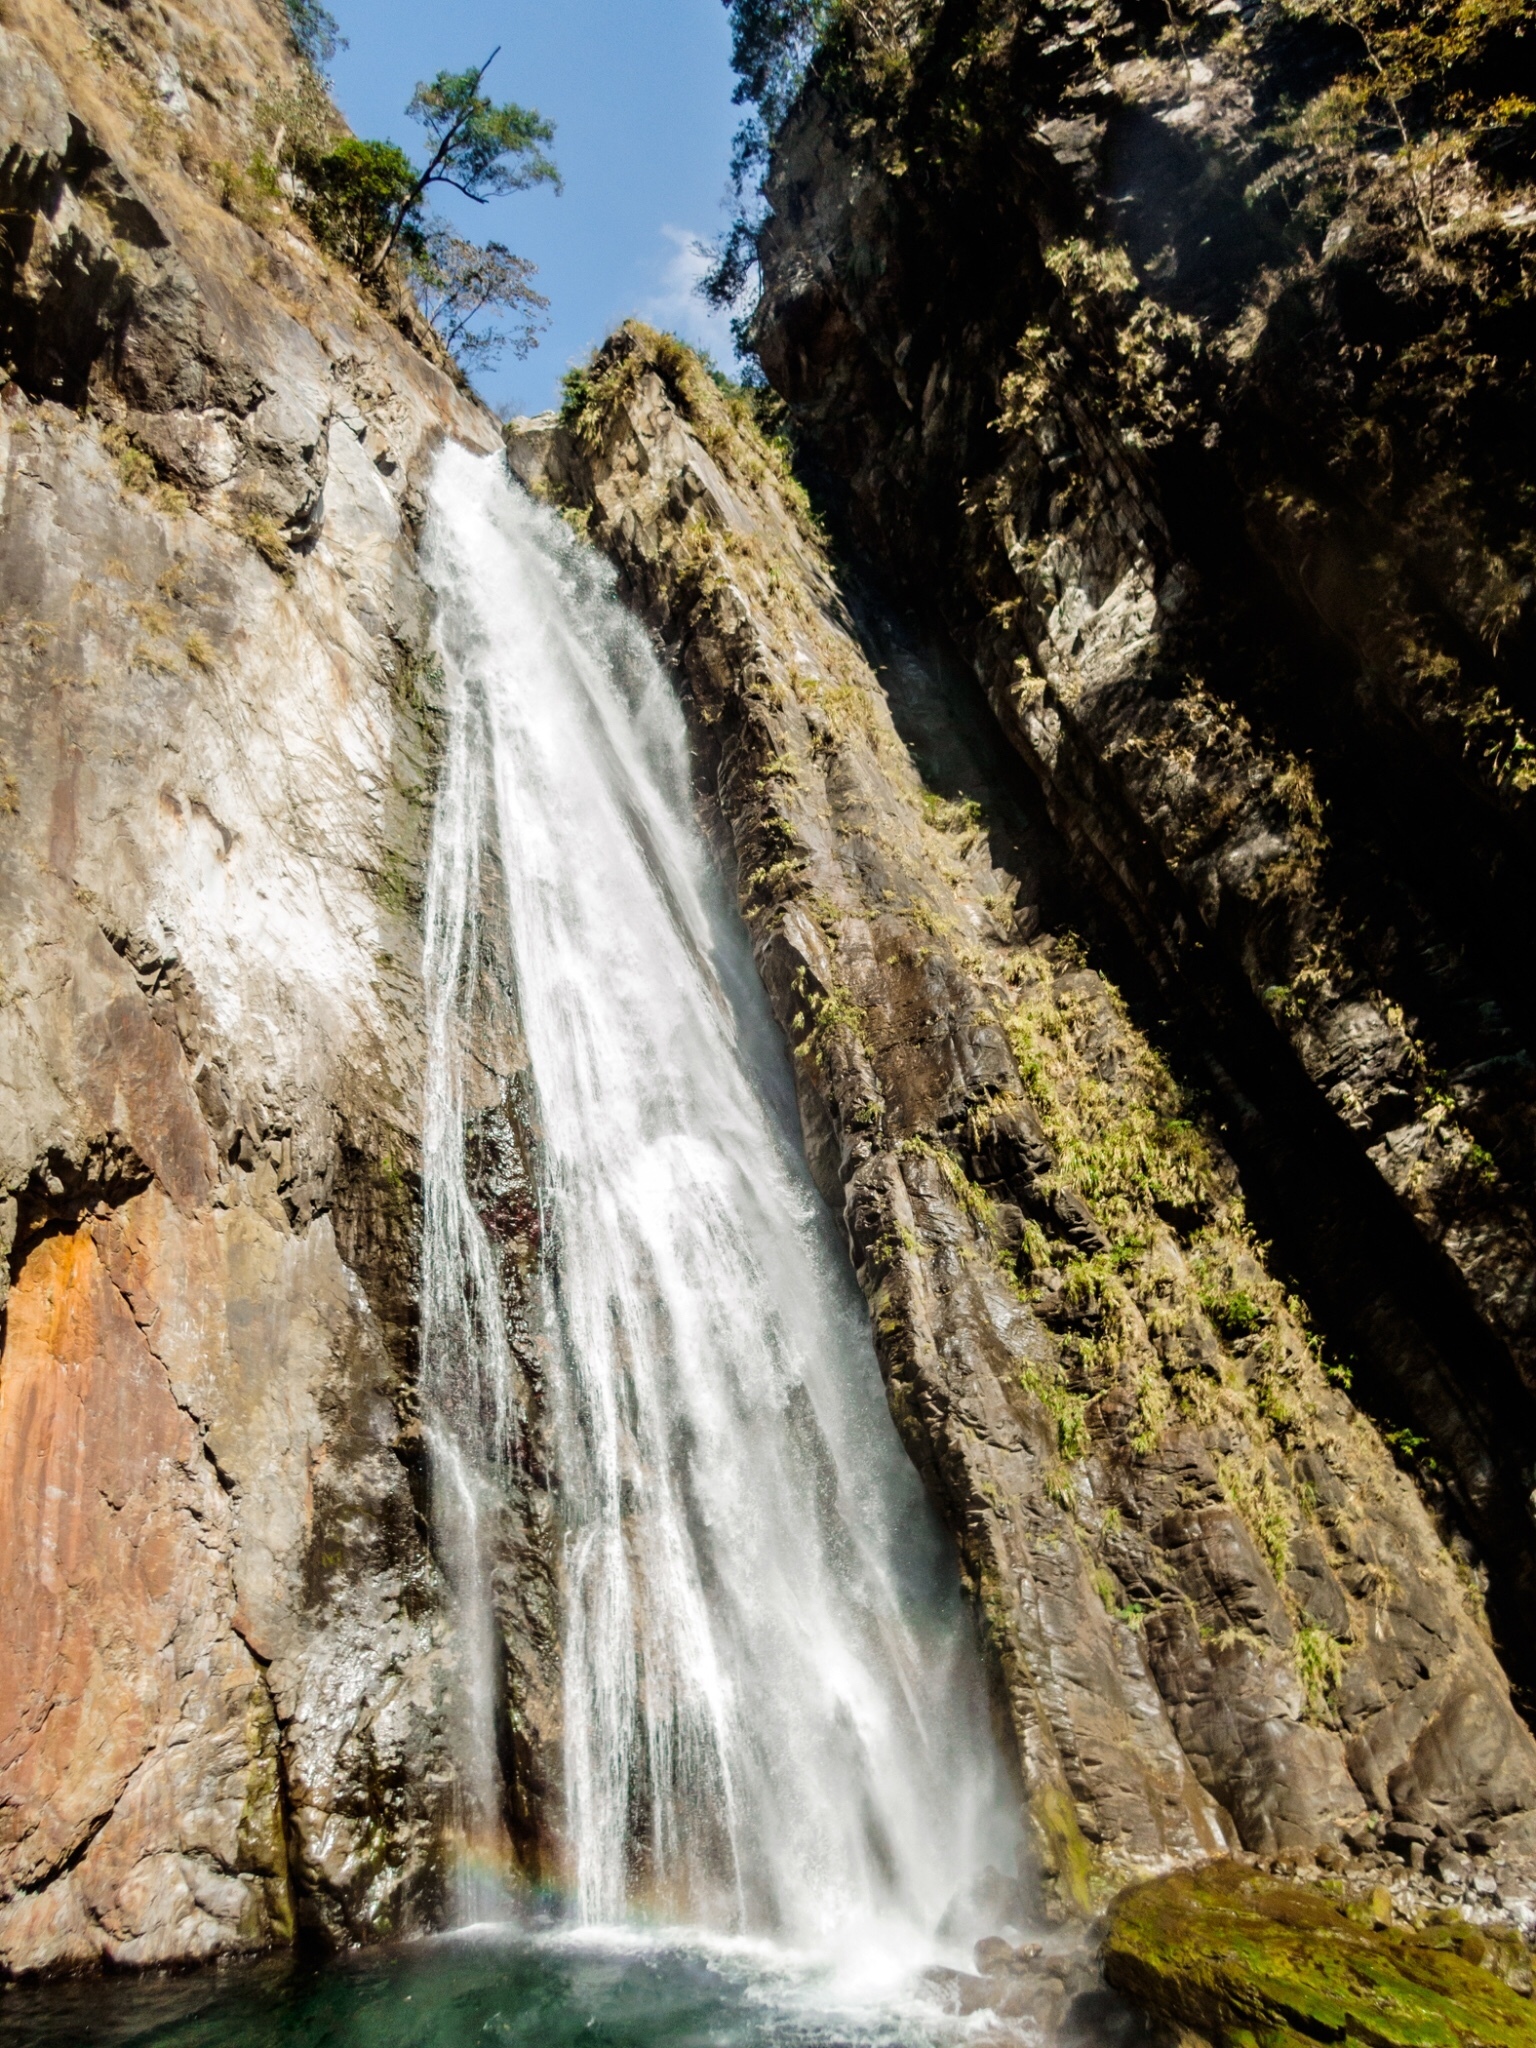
1217 1613
637 1179
772 1718
226 1689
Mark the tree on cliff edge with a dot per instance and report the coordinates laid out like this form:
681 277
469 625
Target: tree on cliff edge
366 200
480 149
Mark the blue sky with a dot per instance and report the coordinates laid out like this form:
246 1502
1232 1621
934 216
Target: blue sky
640 95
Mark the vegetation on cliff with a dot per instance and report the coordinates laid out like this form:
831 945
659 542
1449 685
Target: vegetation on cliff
1178 361
228 1726
1170 1517
366 201
1405 128
1358 87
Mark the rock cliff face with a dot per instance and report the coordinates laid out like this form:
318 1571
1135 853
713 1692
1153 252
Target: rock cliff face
227 1693
1218 1614
1216 478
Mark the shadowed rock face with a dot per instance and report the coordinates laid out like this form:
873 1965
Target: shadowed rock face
228 1693
1220 512
1216 1612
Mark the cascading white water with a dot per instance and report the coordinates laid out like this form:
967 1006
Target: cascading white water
773 1718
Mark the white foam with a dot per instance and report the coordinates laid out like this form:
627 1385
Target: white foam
773 1714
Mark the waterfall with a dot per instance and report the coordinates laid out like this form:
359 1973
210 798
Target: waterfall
773 1719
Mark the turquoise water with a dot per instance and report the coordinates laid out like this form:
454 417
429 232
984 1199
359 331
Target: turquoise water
503 1991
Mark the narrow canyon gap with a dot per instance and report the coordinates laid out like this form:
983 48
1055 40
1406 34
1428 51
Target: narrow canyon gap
798 1158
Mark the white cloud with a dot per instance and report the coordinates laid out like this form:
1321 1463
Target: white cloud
677 305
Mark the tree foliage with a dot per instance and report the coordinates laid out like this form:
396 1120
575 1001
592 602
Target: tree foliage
856 47
772 44
316 32
458 283
480 149
356 192
366 200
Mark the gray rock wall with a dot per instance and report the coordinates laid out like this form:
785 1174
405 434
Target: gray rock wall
1205 487
227 1692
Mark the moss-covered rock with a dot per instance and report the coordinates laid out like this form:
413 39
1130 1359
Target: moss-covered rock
1255 1962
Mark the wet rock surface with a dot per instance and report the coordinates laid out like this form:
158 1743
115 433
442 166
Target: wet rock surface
228 1693
1229 1955
1055 1989
1217 1613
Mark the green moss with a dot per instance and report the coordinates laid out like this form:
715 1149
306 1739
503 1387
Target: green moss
1065 1851
1253 1490
1244 1958
1067 1410
262 1841
396 883
1235 1313
888 1249
827 1015
974 1200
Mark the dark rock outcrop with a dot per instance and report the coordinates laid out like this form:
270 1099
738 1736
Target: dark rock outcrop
1224 500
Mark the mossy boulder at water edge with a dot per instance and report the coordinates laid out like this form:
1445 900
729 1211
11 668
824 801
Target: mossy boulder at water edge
1251 1961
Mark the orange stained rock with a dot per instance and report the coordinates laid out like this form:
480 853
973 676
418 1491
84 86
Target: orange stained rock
110 1532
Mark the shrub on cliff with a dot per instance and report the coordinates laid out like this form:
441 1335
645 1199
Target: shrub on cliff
1421 86
316 34
353 196
862 51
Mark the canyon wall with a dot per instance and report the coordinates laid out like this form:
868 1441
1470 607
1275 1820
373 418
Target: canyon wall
227 1685
1217 1613
1206 448
1137 890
